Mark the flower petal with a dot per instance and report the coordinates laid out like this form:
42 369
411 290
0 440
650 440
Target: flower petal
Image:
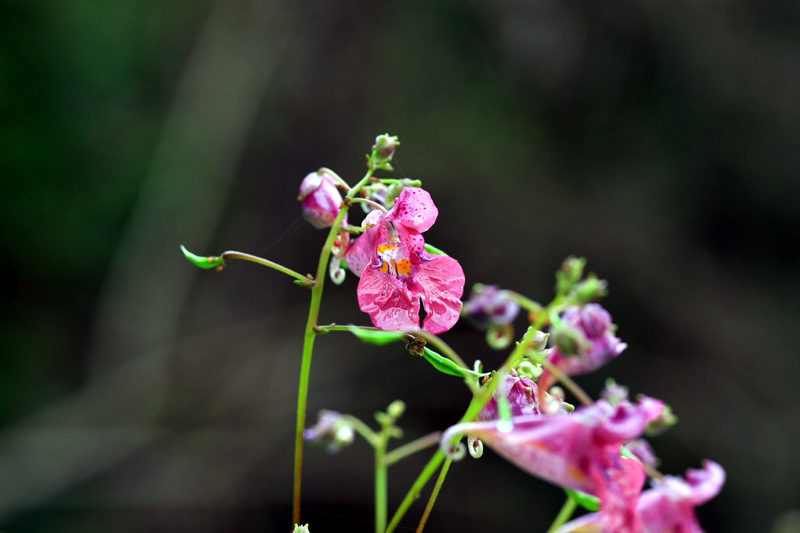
440 284
387 301
361 251
414 209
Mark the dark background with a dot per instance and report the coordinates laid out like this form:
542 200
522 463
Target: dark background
661 140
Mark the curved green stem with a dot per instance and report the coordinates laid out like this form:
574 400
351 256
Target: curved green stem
376 205
434 495
563 515
308 345
381 482
266 262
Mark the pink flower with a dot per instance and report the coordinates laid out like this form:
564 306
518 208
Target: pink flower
597 344
521 392
396 273
321 199
669 506
579 451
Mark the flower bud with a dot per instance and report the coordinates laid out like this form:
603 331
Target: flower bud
520 392
396 409
321 199
570 273
642 450
614 393
300 529
589 290
662 423
489 305
568 340
332 430
383 149
529 370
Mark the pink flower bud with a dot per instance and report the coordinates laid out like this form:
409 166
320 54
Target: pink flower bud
321 199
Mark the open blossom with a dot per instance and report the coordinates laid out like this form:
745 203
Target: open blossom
321 199
580 451
669 506
396 273
597 343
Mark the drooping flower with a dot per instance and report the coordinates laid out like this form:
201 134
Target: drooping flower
396 273
589 330
669 506
580 451
321 199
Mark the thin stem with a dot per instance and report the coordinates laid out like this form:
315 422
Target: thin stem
336 327
362 429
308 345
261 261
563 515
376 205
410 448
525 302
478 402
567 381
413 492
381 482
352 229
325 170
434 495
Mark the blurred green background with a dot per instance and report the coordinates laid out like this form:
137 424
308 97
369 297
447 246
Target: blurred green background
661 140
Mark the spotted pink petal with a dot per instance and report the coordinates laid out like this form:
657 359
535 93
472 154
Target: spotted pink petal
387 301
414 209
442 284
619 485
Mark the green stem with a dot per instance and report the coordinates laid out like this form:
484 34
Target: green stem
266 262
381 483
376 205
308 345
478 402
525 302
434 495
563 515
410 448
362 429
567 381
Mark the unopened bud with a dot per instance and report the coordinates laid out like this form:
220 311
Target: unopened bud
529 370
568 340
537 343
665 420
475 447
300 529
570 273
396 409
321 199
383 151
590 290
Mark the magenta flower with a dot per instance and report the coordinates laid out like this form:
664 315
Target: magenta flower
396 273
597 346
521 392
321 199
669 506
579 451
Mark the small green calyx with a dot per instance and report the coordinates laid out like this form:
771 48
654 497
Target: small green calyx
382 152
203 262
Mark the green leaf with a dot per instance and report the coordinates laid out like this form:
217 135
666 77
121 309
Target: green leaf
587 501
433 250
379 337
446 366
202 262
